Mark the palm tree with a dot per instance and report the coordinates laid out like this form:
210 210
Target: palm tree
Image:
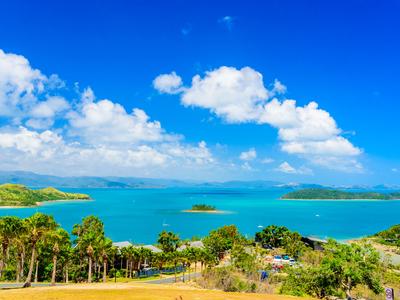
57 238
105 249
191 256
168 241
143 254
160 259
20 241
174 258
37 226
9 227
125 254
89 233
132 254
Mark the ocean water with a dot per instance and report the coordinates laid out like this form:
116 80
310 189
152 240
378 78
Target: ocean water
138 215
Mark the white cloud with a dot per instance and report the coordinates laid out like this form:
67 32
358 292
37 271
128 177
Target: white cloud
231 94
335 146
105 122
21 85
246 166
85 136
279 87
227 21
168 83
239 95
251 154
267 160
44 112
48 152
285 167
395 170
199 154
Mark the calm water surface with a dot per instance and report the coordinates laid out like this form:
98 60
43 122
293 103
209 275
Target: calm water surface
139 215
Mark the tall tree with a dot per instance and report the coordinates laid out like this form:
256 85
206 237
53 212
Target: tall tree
89 234
222 239
37 226
9 227
168 241
272 236
353 265
105 249
58 240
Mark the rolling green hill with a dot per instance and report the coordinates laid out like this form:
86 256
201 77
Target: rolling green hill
328 194
20 195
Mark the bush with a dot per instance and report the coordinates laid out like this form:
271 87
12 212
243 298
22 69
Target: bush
228 280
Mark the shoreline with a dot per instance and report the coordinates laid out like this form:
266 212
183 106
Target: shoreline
206 211
43 203
329 199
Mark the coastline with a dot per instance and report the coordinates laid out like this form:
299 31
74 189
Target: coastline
206 211
43 203
60 201
329 199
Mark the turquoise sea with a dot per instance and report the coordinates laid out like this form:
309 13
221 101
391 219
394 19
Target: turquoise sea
138 215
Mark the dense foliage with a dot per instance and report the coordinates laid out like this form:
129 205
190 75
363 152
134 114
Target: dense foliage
389 236
20 195
318 193
342 268
274 236
36 249
222 239
203 207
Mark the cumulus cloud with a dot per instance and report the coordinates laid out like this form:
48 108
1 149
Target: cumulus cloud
21 86
168 83
231 94
44 112
85 136
251 154
285 167
48 151
239 96
105 122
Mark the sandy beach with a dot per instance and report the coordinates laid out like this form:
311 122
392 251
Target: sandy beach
207 211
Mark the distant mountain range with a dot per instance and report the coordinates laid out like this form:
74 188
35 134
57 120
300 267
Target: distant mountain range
38 180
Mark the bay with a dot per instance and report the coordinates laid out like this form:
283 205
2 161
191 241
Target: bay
138 215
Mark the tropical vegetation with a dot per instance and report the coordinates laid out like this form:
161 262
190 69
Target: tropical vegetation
20 195
37 249
321 194
389 236
203 207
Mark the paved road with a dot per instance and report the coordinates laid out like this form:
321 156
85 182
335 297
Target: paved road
172 279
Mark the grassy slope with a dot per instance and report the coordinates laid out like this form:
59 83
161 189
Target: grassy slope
20 195
316 193
137 291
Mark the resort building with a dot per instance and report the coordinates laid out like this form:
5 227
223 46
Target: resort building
124 244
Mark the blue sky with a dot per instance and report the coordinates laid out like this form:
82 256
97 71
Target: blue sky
341 54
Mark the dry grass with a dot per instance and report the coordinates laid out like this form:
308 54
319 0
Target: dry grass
129 291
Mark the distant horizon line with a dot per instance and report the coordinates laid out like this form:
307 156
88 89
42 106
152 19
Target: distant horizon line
276 183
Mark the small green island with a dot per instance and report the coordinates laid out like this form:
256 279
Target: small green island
15 195
331 194
203 208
